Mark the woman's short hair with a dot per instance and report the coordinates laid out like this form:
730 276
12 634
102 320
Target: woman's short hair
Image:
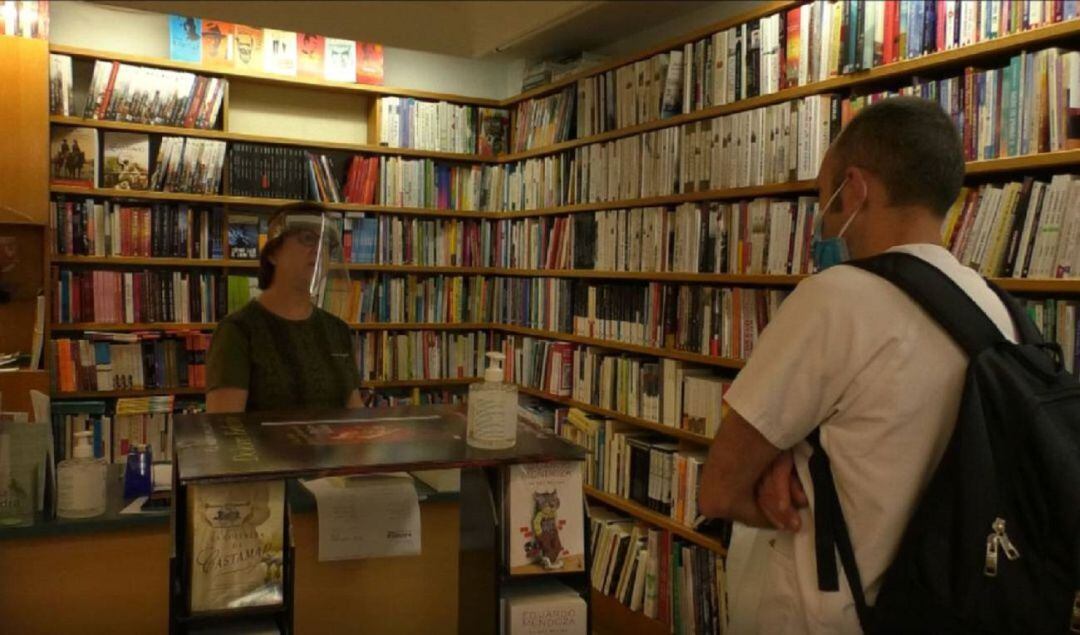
265 275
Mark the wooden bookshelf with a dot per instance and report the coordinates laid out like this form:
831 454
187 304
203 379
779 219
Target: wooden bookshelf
1042 161
254 201
956 58
421 326
646 424
422 383
614 618
711 543
653 351
252 138
78 327
269 78
135 261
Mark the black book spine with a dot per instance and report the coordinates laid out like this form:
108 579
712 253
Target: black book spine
753 60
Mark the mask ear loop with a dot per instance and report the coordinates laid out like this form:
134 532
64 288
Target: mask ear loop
850 219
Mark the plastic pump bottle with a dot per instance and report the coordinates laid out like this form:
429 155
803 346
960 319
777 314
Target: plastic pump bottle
81 481
492 407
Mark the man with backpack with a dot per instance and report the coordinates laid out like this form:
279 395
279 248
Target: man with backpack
890 427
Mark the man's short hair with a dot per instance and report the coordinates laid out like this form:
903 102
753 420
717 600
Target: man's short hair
911 145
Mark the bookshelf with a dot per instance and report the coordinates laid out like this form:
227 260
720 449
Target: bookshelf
948 61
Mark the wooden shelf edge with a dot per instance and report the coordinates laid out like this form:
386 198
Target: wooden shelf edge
952 57
109 394
618 416
254 138
611 617
653 518
300 82
421 383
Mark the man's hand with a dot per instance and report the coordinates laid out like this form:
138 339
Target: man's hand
779 494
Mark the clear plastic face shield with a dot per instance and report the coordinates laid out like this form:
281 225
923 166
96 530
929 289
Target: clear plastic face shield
311 256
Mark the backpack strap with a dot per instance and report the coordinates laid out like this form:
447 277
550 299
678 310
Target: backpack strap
1025 329
939 296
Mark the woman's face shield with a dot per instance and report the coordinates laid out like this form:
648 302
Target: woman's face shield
311 255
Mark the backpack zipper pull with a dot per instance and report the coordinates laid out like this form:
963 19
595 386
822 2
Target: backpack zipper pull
1003 539
990 569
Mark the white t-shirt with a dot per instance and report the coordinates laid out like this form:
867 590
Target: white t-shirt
850 351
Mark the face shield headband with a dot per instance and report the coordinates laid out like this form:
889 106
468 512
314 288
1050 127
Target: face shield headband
320 258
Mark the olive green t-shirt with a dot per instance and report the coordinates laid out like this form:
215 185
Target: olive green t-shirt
283 364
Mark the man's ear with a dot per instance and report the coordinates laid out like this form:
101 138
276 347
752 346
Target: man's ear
857 192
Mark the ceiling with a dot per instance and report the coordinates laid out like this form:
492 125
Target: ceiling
478 30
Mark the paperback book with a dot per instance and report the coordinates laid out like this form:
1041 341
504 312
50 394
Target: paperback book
279 52
545 521
126 160
217 43
185 39
73 156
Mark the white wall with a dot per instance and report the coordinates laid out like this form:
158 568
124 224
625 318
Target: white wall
679 24
123 30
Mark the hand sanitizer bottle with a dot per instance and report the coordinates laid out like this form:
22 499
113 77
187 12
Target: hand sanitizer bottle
492 406
81 481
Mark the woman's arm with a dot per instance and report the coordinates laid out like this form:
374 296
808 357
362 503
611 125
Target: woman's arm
226 400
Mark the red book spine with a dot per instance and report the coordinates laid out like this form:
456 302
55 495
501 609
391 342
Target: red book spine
193 108
939 26
104 105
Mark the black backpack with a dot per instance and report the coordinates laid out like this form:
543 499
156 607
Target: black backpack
993 545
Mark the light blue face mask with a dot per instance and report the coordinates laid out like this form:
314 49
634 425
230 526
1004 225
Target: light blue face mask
827 252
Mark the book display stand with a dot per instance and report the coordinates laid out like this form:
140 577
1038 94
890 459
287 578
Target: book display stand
247 448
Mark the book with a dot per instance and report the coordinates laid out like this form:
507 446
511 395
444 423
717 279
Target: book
369 63
73 156
545 518
494 130
60 75
217 43
248 54
405 122
138 297
237 544
543 607
185 39
140 94
340 60
126 160
185 164
279 52
243 237
310 50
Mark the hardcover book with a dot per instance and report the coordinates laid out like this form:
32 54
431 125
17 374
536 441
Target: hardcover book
243 237
369 63
310 55
73 156
237 540
279 52
545 522
60 85
494 130
340 60
248 44
185 39
543 607
126 160
217 43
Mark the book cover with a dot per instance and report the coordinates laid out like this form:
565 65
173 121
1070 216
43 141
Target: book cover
494 131
60 85
248 44
185 39
243 237
369 63
126 160
279 52
544 607
237 540
339 60
546 525
310 48
217 43
73 156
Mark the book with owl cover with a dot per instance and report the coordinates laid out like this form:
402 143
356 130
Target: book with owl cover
237 535
545 518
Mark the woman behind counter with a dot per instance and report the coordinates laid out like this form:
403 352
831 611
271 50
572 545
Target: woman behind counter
280 351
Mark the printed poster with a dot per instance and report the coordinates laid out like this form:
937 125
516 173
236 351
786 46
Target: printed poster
340 60
217 43
248 43
369 63
310 53
185 39
279 52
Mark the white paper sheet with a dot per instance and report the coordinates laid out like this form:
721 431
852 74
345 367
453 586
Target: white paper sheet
366 516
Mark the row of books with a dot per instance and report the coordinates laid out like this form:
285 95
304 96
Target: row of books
361 180
120 426
139 94
138 297
1056 319
397 298
757 236
544 121
1019 229
434 184
130 361
190 165
651 571
267 171
807 43
1031 105
389 356
640 92
408 397
92 227
405 122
